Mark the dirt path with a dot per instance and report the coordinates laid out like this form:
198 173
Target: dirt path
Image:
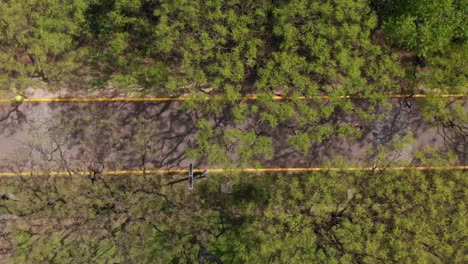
101 136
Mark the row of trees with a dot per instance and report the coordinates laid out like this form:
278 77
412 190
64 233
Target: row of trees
235 47
327 217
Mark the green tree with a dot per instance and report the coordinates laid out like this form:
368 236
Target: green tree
323 217
121 36
434 32
390 217
40 39
424 27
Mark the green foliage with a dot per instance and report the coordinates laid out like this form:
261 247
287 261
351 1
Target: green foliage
248 145
449 112
225 50
70 219
300 142
234 47
39 39
332 217
435 34
392 217
449 72
303 49
231 146
393 153
424 26
127 57
212 43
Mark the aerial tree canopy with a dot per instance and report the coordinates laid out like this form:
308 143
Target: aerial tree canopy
41 40
424 26
329 217
226 50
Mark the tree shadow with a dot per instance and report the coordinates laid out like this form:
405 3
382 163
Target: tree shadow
12 118
64 131
78 135
398 119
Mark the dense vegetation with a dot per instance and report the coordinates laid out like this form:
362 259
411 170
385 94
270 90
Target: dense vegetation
371 217
234 47
225 50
